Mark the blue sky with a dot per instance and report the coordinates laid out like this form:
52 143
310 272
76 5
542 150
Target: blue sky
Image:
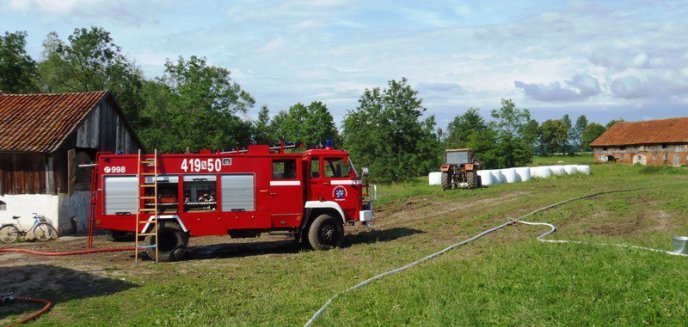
603 59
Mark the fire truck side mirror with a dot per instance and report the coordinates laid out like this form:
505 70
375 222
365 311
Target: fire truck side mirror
364 171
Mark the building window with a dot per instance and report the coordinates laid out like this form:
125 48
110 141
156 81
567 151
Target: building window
604 148
3 206
664 146
622 148
284 169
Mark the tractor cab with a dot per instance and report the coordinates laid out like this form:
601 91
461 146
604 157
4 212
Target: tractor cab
460 170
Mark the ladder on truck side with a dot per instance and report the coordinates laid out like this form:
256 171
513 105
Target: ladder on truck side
144 171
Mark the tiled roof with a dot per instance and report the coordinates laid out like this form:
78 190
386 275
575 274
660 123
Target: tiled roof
41 122
674 130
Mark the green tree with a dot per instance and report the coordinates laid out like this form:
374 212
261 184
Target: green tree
460 130
579 128
311 124
91 61
591 133
17 70
530 134
195 106
510 123
386 132
566 148
553 135
262 133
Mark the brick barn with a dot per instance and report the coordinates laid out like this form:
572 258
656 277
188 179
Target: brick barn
43 139
651 142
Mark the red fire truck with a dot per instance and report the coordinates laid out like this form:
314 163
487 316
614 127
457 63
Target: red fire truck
309 195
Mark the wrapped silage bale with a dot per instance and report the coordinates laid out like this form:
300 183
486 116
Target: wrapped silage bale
557 170
570 169
435 178
510 175
583 169
486 177
545 172
497 176
523 173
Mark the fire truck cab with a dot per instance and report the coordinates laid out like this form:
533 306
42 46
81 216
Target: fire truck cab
309 195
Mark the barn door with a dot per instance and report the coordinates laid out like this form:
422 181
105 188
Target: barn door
677 160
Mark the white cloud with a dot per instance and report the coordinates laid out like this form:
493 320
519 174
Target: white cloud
580 87
630 87
129 11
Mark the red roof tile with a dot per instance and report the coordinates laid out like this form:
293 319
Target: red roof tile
41 122
673 130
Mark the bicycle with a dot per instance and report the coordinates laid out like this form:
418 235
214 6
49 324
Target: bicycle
42 230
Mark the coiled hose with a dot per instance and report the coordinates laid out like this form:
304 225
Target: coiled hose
514 221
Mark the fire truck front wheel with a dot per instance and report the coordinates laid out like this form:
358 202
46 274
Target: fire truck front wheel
325 233
172 242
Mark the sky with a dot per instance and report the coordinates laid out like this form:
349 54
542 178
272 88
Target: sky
603 59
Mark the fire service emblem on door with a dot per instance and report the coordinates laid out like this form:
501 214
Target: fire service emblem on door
339 193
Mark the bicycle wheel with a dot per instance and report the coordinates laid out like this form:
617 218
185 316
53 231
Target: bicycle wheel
44 232
9 234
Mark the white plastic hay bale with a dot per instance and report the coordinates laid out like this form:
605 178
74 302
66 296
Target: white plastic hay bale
583 169
435 178
557 170
545 172
486 177
523 173
540 172
510 175
570 169
497 176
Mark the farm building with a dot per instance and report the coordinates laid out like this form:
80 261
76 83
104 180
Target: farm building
652 142
43 139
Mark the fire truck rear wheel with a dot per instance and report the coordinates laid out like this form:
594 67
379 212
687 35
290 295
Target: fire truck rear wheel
172 242
325 233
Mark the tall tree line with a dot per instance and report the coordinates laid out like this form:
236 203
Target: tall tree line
196 105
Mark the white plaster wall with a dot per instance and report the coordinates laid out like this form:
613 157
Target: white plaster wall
24 205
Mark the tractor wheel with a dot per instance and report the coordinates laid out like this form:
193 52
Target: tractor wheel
445 181
471 179
325 233
172 242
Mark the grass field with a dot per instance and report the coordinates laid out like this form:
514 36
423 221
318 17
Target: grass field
506 278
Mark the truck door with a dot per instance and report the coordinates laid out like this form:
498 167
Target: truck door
337 184
315 179
286 192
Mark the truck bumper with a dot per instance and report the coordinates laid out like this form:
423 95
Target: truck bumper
366 216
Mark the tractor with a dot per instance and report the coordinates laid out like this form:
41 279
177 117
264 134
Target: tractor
460 170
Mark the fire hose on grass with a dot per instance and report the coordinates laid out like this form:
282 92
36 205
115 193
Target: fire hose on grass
10 298
519 220
65 253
